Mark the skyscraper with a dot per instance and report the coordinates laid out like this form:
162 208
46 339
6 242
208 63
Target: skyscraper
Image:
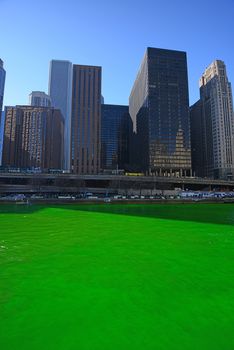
201 140
60 91
86 119
33 137
115 134
159 108
2 85
216 130
39 99
2 122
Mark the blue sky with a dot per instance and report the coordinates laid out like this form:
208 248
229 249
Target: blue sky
113 34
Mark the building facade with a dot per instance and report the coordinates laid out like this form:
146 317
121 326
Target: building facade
201 139
39 99
2 84
60 92
2 122
33 138
86 120
159 108
115 135
216 99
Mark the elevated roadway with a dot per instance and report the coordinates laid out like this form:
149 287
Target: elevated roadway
71 183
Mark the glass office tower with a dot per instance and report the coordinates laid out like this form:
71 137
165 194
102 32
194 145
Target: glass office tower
115 133
201 139
60 91
159 108
2 84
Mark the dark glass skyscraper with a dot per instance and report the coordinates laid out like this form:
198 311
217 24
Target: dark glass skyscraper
115 133
159 108
86 120
201 139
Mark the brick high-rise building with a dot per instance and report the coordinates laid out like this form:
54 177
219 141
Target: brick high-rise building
86 120
33 138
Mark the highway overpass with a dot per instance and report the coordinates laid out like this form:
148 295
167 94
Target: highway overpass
71 183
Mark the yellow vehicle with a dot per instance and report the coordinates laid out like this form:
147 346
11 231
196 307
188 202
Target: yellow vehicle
134 174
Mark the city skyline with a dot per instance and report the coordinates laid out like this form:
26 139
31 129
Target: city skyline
113 41
47 74
159 110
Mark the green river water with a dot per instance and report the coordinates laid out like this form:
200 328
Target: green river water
108 277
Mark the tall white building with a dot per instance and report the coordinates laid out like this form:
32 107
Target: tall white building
60 91
2 84
216 97
39 99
